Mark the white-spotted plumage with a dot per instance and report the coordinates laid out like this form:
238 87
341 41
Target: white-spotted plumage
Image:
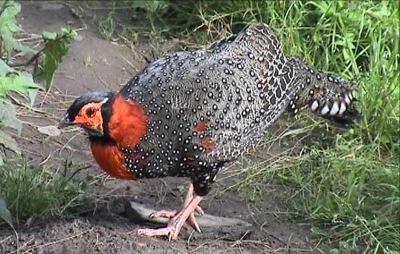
324 94
334 109
210 106
325 110
342 108
347 98
314 105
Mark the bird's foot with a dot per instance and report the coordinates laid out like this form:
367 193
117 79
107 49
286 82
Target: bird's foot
176 222
191 220
167 231
171 213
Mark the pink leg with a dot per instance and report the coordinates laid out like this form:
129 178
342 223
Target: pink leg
177 218
171 213
175 224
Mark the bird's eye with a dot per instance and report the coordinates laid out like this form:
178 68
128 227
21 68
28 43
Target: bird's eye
90 112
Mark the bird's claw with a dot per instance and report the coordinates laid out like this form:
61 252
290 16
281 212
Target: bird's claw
199 210
176 222
177 218
167 231
163 214
169 236
193 223
191 220
171 232
172 213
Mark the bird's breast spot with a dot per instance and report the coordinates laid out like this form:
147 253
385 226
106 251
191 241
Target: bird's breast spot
208 143
201 126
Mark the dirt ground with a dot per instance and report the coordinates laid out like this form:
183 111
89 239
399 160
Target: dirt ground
103 226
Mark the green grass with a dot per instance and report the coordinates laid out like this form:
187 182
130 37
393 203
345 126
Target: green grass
347 186
106 25
348 193
34 191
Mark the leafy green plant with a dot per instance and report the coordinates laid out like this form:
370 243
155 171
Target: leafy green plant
20 84
8 26
56 46
11 80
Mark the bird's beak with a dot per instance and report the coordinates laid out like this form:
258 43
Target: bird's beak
65 122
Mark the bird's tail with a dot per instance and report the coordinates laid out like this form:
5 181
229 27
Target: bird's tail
324 95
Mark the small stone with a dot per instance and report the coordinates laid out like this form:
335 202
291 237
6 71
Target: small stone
78 38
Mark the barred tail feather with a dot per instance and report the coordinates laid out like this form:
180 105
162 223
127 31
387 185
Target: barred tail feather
324 95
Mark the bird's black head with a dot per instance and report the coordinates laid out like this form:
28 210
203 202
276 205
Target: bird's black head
90 111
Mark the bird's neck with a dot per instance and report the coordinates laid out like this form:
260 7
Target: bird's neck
126 124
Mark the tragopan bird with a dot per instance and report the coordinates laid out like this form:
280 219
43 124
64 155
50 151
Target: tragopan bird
187 114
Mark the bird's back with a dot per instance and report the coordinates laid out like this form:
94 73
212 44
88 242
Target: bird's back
215 102
209 106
